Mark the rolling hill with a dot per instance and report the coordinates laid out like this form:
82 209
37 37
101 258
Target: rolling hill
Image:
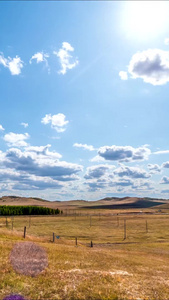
106 203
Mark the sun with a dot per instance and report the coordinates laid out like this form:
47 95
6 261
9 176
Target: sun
145 18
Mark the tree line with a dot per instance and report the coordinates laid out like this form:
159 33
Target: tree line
6 210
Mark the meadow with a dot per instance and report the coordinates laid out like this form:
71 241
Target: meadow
129 258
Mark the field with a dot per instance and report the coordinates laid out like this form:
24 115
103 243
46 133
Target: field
129 258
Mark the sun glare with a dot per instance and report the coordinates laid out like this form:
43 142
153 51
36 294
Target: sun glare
145 18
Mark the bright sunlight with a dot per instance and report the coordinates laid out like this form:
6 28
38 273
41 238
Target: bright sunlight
143 19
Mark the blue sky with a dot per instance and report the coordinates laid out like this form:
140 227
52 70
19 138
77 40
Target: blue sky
84 99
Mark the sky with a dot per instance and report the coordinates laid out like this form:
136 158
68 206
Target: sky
84 99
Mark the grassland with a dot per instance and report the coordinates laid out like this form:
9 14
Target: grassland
115 268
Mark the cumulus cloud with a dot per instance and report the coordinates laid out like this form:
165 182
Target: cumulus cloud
66 59
151 65
123 75
124 179
97 158
24 181
96 185
97 171
24 124
57 122
13 64
84 146
9 174
166 164
35 168
154 168
35 182
141 186
1 128
43 152
39 57
128 185
165 180
121 182
40 163
133 172
16 139
124 153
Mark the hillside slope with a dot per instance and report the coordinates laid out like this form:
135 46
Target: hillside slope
106 203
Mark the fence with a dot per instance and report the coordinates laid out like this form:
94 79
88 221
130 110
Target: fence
102 229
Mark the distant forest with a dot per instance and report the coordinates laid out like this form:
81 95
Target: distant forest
27 210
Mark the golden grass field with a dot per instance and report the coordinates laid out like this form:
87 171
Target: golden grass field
115 268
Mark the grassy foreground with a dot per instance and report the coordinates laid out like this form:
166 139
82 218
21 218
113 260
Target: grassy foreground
134 268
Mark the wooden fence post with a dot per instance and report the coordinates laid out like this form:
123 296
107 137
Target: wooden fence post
91 245
53 237
24 234
124 229
76 241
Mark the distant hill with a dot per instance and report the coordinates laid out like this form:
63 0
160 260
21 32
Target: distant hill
16 200
105 203
138 203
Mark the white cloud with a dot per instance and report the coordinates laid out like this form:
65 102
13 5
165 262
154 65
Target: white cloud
166 164
36 168
40 57
24 124
121 182
151 65
57 122
1 128
162 152
84 146
133 172
126 179
164 180
16 139
18 180
96 185
123 75
97 171
166 41
13 64
38 151
154 168
124 153
97 158
66 60
3 60
142 185
40 161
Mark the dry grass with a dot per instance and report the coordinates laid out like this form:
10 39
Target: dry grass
101 229
135 268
